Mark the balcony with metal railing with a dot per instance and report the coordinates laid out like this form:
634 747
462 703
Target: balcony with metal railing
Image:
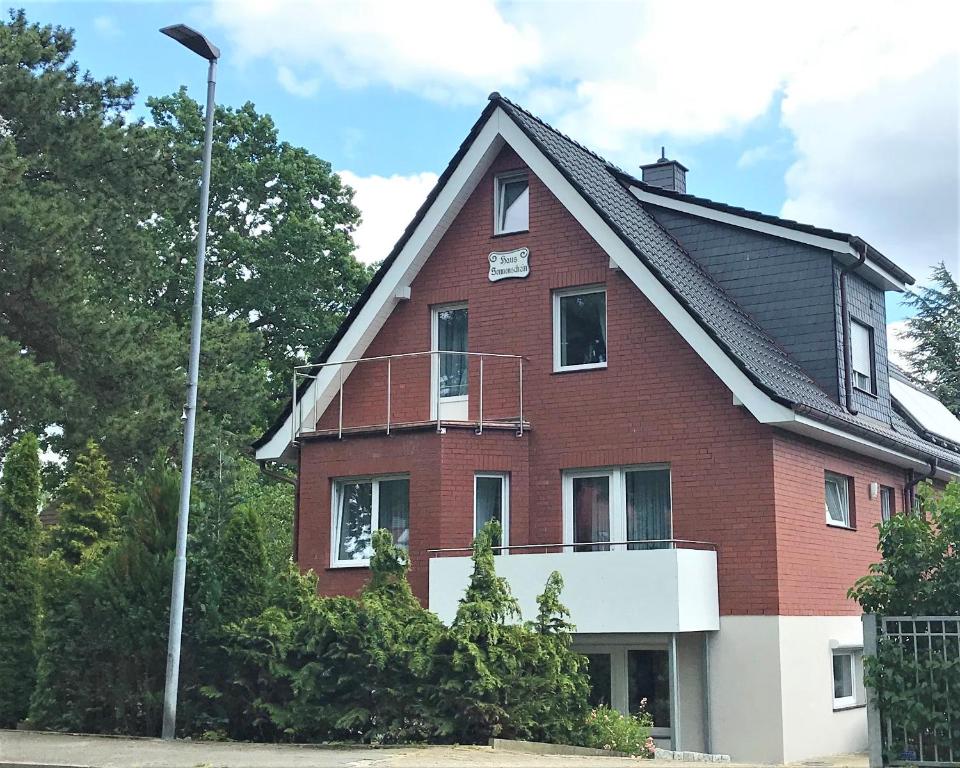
413 390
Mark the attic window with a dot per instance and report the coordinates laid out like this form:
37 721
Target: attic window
861 352
511 203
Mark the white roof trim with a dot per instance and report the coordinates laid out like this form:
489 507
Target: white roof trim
498 129
834 245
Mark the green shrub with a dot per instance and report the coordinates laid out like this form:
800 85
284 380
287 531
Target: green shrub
609 729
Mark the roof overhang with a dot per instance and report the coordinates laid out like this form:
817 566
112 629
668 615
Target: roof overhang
844 249
498 130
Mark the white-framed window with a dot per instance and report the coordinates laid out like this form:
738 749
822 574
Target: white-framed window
361 505
837 494
617 504
449 372
861 354
887 503
491 501
580 328
511 203
847 663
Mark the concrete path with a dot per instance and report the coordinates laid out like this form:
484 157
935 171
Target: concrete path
56 750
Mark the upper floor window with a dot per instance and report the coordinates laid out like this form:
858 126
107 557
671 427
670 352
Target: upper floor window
491 501
580 328
837 492
511 203
604 506
861 354
887 503
361 506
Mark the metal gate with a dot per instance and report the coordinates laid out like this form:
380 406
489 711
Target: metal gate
919 662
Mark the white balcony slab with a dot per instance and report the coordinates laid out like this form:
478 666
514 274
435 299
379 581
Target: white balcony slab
662 590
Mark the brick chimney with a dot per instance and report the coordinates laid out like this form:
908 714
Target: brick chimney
666 174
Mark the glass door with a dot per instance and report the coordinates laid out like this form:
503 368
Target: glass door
449 379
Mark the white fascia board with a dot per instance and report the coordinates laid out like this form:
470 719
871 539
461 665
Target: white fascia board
888 281
757 402
404 269
824 433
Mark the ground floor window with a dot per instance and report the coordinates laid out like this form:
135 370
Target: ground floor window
846 671
363 505
623 678
887 503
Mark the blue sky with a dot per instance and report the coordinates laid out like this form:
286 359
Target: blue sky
851 125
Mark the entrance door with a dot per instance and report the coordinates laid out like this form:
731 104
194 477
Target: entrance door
448 385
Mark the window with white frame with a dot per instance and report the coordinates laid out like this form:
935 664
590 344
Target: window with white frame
887 503
846 666
621 504
861 353
580 328
362 506
837 492
491 501
511 203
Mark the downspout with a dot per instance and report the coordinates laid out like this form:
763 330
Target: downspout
845 319
916 480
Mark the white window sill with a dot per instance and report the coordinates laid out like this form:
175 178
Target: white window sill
842 526
842 705
587 367
351 564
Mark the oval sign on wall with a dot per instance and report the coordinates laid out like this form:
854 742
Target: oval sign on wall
507 264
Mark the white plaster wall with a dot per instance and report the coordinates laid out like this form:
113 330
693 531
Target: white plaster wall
771 688
690 665
600 588
745 697
810 726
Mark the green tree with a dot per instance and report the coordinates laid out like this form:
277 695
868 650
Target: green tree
935 331
87 504
19 587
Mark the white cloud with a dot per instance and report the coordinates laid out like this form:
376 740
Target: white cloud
442 50
867 90
387 204
106 26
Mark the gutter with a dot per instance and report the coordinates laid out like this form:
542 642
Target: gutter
845 318
910 487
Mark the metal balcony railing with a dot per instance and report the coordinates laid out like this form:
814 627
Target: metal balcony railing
584 546
314 371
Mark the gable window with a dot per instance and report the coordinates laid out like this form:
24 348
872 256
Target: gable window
362 506
491 501
861 354
837 493
846 662
511 203
580 328
887 504
605 507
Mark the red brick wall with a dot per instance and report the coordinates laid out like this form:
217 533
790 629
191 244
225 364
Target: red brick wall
657 401
818 563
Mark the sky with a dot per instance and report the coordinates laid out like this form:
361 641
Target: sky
842 115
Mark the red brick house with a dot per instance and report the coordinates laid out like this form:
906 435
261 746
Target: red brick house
685 408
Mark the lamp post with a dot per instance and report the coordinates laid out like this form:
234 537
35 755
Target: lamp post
197 43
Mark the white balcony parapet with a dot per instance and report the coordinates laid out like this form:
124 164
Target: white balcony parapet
670 589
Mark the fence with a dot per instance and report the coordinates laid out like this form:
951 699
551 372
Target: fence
913 673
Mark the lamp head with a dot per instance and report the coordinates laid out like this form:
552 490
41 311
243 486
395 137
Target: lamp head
190 38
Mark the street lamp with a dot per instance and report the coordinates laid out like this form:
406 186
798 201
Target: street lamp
197 43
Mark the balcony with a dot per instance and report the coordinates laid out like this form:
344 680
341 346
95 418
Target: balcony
665 586
387 393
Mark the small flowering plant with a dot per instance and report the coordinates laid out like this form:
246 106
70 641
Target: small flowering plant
607 728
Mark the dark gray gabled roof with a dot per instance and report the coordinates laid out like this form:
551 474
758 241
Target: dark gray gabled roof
754 351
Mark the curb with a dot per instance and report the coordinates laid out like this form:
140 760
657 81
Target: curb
542 748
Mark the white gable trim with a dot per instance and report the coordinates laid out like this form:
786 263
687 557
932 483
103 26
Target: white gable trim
401 273
498 129
834 245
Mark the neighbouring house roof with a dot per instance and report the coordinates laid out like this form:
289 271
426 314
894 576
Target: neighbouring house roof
606 189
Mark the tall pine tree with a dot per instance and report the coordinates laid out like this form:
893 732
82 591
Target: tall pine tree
935 330
19 582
